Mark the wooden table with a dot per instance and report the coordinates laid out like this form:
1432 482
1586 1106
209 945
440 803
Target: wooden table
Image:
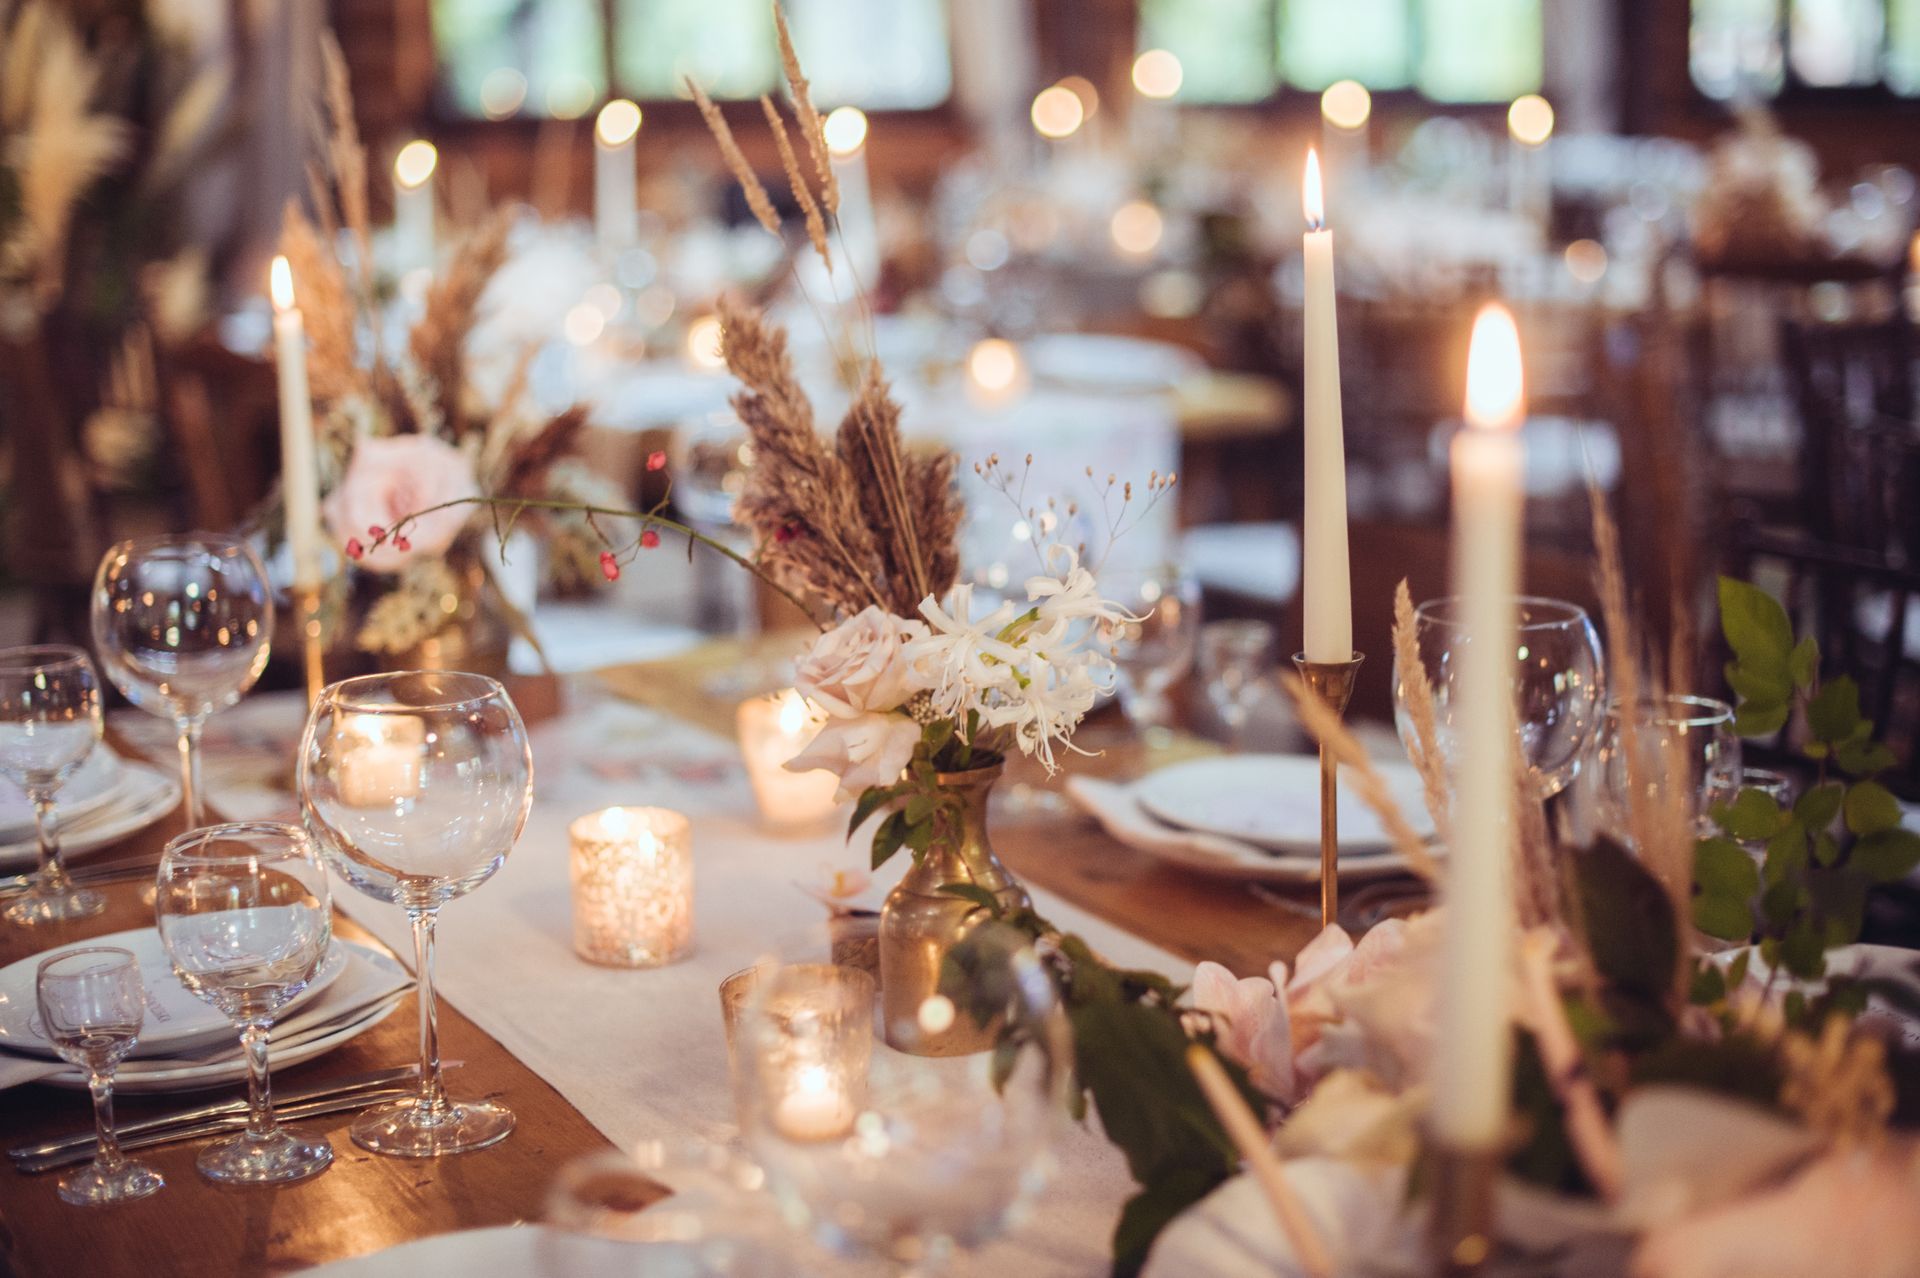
364 1203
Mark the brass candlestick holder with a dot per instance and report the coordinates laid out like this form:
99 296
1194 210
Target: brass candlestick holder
1460 1235
1332 682
306 602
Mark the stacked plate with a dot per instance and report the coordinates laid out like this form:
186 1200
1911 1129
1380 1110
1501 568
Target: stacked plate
104 801
185 1044
1252 816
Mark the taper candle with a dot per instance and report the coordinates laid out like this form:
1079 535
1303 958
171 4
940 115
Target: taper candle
616 208
1326 591
1473 1062
299 467
413 214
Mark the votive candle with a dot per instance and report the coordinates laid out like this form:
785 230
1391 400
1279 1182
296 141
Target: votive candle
632 872
380 757
772 731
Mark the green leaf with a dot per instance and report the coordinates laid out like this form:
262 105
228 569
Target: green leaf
980 896
1153 1209
1871 808
1759 721
1825 850
1722 867
1786 854
1736 1065
1803 663
1864 758
1629 919
1727 917
1833 716
887 839
1804 950
1817 808
1755 625
1709 985
920 806
919 834
1753 814
1778 905
1886 856
936 734
1737 970
871 801
1759 688
1839 906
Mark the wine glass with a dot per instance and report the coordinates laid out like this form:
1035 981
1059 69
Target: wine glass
1155 650
1694 735
415 786
92 1004
246 916
49 724
1236 661
182 626
1557 683
890 1152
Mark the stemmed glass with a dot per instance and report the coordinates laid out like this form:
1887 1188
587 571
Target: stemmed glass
1696 733
182 625
1156 651
92 1004
49 724
1236 660
415 786
1557 683
893 1153
246 915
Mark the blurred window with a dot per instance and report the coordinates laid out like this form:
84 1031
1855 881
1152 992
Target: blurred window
1761 47
1446 50
502 58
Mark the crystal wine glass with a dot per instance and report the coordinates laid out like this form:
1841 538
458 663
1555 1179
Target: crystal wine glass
1156 651
892 1153
1237 661
1557 683
92 1003
415 786
1693 734
49 724
182 625
246 916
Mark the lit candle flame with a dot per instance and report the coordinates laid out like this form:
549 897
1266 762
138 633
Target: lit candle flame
704 345
617 122
994 364
1530 119
280 284
793 714
1346 104
1157 73
1312 198
1057 112
1496 384
415 163
846 130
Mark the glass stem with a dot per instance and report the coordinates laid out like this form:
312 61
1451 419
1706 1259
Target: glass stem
106 1146
52 876
253 1044
433 1096
190 772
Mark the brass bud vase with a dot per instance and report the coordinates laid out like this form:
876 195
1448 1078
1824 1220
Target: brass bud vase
920 925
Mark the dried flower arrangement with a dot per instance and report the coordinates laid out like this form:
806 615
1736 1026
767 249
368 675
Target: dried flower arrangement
404 436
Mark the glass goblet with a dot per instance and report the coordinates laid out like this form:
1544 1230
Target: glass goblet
1156 650
1687 742
1557 683
1237 662
92 1004
415 786
890 1153
182 625
49 724
246 915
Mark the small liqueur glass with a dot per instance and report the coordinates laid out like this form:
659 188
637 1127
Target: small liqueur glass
92 1004
49 725
1237 662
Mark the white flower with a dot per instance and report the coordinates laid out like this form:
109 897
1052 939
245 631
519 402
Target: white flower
861 665
864 751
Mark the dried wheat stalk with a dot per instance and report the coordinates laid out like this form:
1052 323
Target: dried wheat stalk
347 157
803 196
1417 695
1535 875
736 163
528 462
327 306
868 445
811 126
1364 779
439 339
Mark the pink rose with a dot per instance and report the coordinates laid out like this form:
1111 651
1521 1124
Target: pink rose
863 751
1250 1025
858 667
391 477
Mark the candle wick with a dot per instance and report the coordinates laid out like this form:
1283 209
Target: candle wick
1316 224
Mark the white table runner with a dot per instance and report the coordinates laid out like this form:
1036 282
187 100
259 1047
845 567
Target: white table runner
642 1053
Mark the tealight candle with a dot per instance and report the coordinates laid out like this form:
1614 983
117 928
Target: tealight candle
380 758
818 1107
632 871
772 731
799 1041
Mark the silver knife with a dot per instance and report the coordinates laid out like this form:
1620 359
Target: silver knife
218 1109
83 875
217 1127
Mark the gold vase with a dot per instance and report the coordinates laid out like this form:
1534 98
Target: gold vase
474 637
920 925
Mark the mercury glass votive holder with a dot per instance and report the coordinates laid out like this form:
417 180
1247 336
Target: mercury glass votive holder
799 1040
632 871
773 730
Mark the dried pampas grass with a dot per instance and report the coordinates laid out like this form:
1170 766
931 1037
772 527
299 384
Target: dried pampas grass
327 305
1417 695
809 207
439 340
736 162
346 156
811 126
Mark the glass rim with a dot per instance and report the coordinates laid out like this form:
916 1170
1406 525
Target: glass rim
1241 627
1710 710
12 662
1569 613
339 694
188 845
126 956
222 543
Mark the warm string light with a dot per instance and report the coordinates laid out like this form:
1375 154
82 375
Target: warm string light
1496 383
617 123
1313 200
414 165
1157 74
1346 104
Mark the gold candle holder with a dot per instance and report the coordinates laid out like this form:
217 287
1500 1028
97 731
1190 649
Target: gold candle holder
632 871
306 600
1332 682
1460 1235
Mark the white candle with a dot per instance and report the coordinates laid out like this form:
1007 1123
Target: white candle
772 731
1345 109
1157 75
846 131
817 1108
616 207
299 469
1472 1068
1327 596
413 214
1529 127
380 758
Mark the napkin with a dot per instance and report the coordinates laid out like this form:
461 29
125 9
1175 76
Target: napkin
360 987
1119 813
1360 1210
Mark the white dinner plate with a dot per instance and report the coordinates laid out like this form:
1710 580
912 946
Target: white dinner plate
177 1021
144 795
529 1251
1108 363
1273 802
92 785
